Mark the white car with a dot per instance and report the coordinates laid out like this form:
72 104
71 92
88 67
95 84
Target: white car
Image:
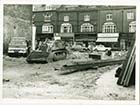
101 48
79 48
17 45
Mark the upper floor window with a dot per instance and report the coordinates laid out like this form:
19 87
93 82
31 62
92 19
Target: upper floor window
87 27
109 27
66 18
47 28
130 15
48 7
132 26
109 16
86 18
47 17
66 28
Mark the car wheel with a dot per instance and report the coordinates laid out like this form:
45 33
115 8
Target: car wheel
25 55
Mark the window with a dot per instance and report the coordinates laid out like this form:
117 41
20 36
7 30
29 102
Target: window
130 15
33 17
109 17
87 27
109 27
47 17
132 26
66 18
48 7
86 18
47 28
66 28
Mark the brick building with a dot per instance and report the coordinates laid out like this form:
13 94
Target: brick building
112 26
117 26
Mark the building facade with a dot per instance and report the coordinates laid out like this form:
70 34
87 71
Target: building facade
112 26
118 25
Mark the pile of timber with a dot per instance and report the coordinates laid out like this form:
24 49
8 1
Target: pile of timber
127 74
90 64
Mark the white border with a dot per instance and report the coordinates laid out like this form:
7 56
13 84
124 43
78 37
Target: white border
84 2
1 48
72 2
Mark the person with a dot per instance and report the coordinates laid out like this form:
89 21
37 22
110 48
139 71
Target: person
90 47
86 44
108 52
44 45
29 46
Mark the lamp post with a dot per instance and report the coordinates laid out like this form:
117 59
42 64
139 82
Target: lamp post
33 34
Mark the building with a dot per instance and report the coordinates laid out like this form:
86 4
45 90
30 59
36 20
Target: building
117 26
112 26
17 21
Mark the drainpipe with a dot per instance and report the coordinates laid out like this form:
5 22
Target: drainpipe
122 20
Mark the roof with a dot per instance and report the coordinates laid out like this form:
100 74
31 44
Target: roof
83 7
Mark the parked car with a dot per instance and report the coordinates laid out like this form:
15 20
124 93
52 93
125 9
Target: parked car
79 48
101 48
17 46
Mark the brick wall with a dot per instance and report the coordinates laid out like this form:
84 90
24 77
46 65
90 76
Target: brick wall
17 22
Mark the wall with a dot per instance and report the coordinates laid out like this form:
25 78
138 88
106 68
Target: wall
76 18
17 22
93 18
39 20
72 20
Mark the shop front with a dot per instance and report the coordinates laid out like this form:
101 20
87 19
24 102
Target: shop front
85 38
68 38
43 36
108 40
126 39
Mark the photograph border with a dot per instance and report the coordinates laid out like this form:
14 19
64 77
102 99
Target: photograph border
73 2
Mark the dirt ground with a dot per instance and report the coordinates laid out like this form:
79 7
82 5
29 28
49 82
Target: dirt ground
43 81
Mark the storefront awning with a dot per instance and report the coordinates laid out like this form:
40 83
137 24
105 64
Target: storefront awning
86 39
66 34
107 37
107 40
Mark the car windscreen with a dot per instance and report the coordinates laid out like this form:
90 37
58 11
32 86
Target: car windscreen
18 43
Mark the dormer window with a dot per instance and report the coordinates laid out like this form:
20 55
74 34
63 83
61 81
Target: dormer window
109 17
47 17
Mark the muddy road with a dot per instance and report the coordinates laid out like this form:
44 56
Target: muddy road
44 81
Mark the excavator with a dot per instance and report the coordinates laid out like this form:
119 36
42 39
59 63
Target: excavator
48 51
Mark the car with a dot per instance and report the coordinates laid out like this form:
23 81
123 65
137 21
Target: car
18 46
79 48
101 48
